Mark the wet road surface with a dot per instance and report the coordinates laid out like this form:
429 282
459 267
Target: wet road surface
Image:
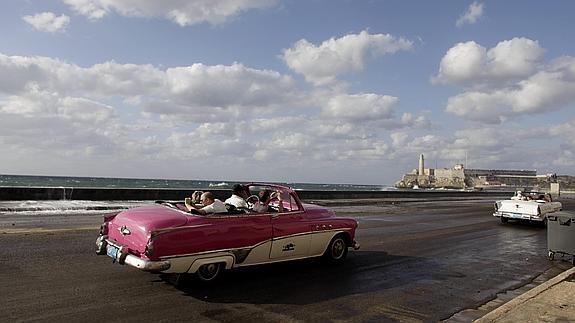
418 262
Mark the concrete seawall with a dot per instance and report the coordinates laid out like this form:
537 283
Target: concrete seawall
110 194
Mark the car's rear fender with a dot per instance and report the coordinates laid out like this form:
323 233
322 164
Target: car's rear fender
228 260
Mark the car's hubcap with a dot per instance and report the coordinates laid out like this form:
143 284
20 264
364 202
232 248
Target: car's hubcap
337 248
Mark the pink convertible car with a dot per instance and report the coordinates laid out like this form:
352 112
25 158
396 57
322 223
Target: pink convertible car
164 237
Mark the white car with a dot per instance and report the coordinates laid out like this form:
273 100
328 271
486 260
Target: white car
530 206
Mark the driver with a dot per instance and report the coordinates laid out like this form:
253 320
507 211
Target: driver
209 205
238 198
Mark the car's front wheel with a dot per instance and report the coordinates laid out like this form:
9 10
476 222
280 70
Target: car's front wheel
337 249
504 220
209 272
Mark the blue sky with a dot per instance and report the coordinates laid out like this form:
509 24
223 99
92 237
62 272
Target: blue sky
290 91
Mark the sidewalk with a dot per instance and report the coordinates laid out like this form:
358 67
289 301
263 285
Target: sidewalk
552 301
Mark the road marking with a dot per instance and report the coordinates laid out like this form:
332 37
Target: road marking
45 230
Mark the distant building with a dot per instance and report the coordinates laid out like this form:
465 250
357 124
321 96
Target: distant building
459 177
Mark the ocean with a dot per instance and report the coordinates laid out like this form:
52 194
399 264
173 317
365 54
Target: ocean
108 182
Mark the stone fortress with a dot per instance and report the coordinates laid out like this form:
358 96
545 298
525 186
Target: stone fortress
458 177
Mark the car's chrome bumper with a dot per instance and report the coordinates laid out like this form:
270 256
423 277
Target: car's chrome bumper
125 258
518 216
355 245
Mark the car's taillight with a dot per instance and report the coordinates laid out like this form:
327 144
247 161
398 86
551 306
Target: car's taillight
107 218
149 248
110 216
104 228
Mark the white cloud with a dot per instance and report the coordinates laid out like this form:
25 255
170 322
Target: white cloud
18 72
182 12
565 159
565 130
335 130
482 138
38 102
411 121
399 139
506 81
492 107
322 64
360 107
196 90
224 86
550 89
223 129
471 65
472 15
515 58
48 22
488 147
141 114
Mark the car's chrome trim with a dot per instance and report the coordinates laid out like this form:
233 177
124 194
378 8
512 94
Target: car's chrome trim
519 216
311 232
125 258
230 250
146 265
156 232
101 244
124 230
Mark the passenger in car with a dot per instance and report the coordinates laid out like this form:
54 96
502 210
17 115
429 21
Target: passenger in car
196 197
266 196
209 205
238 198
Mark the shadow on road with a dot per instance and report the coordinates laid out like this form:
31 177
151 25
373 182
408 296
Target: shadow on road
524 224
309 281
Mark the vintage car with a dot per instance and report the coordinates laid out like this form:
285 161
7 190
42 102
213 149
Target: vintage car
529 206
165 237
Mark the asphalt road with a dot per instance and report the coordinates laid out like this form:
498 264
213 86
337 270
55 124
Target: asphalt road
418 262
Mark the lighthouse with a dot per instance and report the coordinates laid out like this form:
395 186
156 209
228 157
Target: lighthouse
421 165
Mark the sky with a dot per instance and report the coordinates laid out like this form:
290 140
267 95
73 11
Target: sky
315 91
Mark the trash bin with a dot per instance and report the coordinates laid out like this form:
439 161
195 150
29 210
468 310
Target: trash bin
561 234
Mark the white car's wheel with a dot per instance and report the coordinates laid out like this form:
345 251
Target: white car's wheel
209 272
337 249
504 220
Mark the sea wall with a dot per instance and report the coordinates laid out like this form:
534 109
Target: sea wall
115 194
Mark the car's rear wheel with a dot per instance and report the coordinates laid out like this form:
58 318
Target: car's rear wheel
209 272
337 249
504 220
